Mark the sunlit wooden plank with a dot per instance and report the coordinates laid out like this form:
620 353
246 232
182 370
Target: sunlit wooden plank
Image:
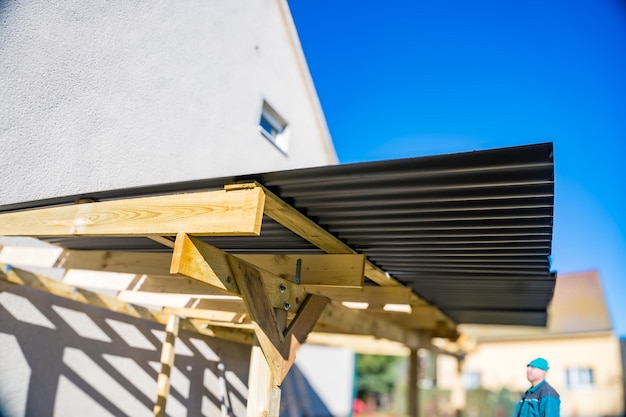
216 213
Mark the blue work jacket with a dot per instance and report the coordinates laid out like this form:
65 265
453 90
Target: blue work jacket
539 401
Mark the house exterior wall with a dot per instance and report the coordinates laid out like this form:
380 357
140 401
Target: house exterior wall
100 96
62 358
503 365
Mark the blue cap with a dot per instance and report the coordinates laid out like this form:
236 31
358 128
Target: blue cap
540 363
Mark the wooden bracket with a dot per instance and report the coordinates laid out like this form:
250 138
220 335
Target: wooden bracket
268 298
279 345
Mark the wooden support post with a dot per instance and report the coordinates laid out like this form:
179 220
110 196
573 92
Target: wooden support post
263 391
458 396
167 362
413 388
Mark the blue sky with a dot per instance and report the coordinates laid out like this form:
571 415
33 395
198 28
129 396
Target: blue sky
411 78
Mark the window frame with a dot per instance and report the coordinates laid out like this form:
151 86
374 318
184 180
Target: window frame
579 378
277 133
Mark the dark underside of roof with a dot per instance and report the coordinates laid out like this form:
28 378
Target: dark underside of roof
470 233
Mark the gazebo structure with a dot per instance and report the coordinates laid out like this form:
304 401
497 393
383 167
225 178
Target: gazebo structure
401 250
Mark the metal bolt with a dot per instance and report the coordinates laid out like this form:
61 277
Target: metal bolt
298 270
286 305
282 288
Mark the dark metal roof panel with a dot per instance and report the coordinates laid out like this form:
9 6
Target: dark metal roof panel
469 232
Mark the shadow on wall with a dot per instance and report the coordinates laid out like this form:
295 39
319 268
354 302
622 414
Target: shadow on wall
62 358
299 398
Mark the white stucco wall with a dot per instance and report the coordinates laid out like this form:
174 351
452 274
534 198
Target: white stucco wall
63 358
107 95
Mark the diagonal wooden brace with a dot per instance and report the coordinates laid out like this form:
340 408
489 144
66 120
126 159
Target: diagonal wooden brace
279 346
199 260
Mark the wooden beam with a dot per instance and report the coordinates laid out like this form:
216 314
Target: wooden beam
163 240
301 326
215 213
154 300
31 256
363 344
413 384
304 227
174 284
422 318
144 263
198 260
224 310
298 223
16 276
267 298
265 322
376 297
328 269
167 362
263 392
337 318
213 317
39 282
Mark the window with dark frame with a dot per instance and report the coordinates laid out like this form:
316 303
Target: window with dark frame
273 127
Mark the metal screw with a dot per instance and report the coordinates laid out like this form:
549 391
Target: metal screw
286 305
282 288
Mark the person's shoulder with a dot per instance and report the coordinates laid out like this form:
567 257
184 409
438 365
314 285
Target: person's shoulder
548 390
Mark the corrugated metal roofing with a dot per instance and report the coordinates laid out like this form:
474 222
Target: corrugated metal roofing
469 232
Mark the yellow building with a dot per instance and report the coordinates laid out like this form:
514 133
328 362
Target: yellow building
582 350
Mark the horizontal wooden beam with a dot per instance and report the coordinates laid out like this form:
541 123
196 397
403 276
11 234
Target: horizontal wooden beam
144 263
420 318
363 344
344 270
15 276
174 284
423 318
234 312
337 318
326 269
198 260
375 297
210 213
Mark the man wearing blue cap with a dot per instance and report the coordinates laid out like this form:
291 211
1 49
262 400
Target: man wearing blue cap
540 400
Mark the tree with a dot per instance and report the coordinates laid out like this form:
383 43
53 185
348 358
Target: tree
377 375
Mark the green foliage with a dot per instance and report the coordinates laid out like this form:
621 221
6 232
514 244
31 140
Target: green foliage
377 374
483 402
